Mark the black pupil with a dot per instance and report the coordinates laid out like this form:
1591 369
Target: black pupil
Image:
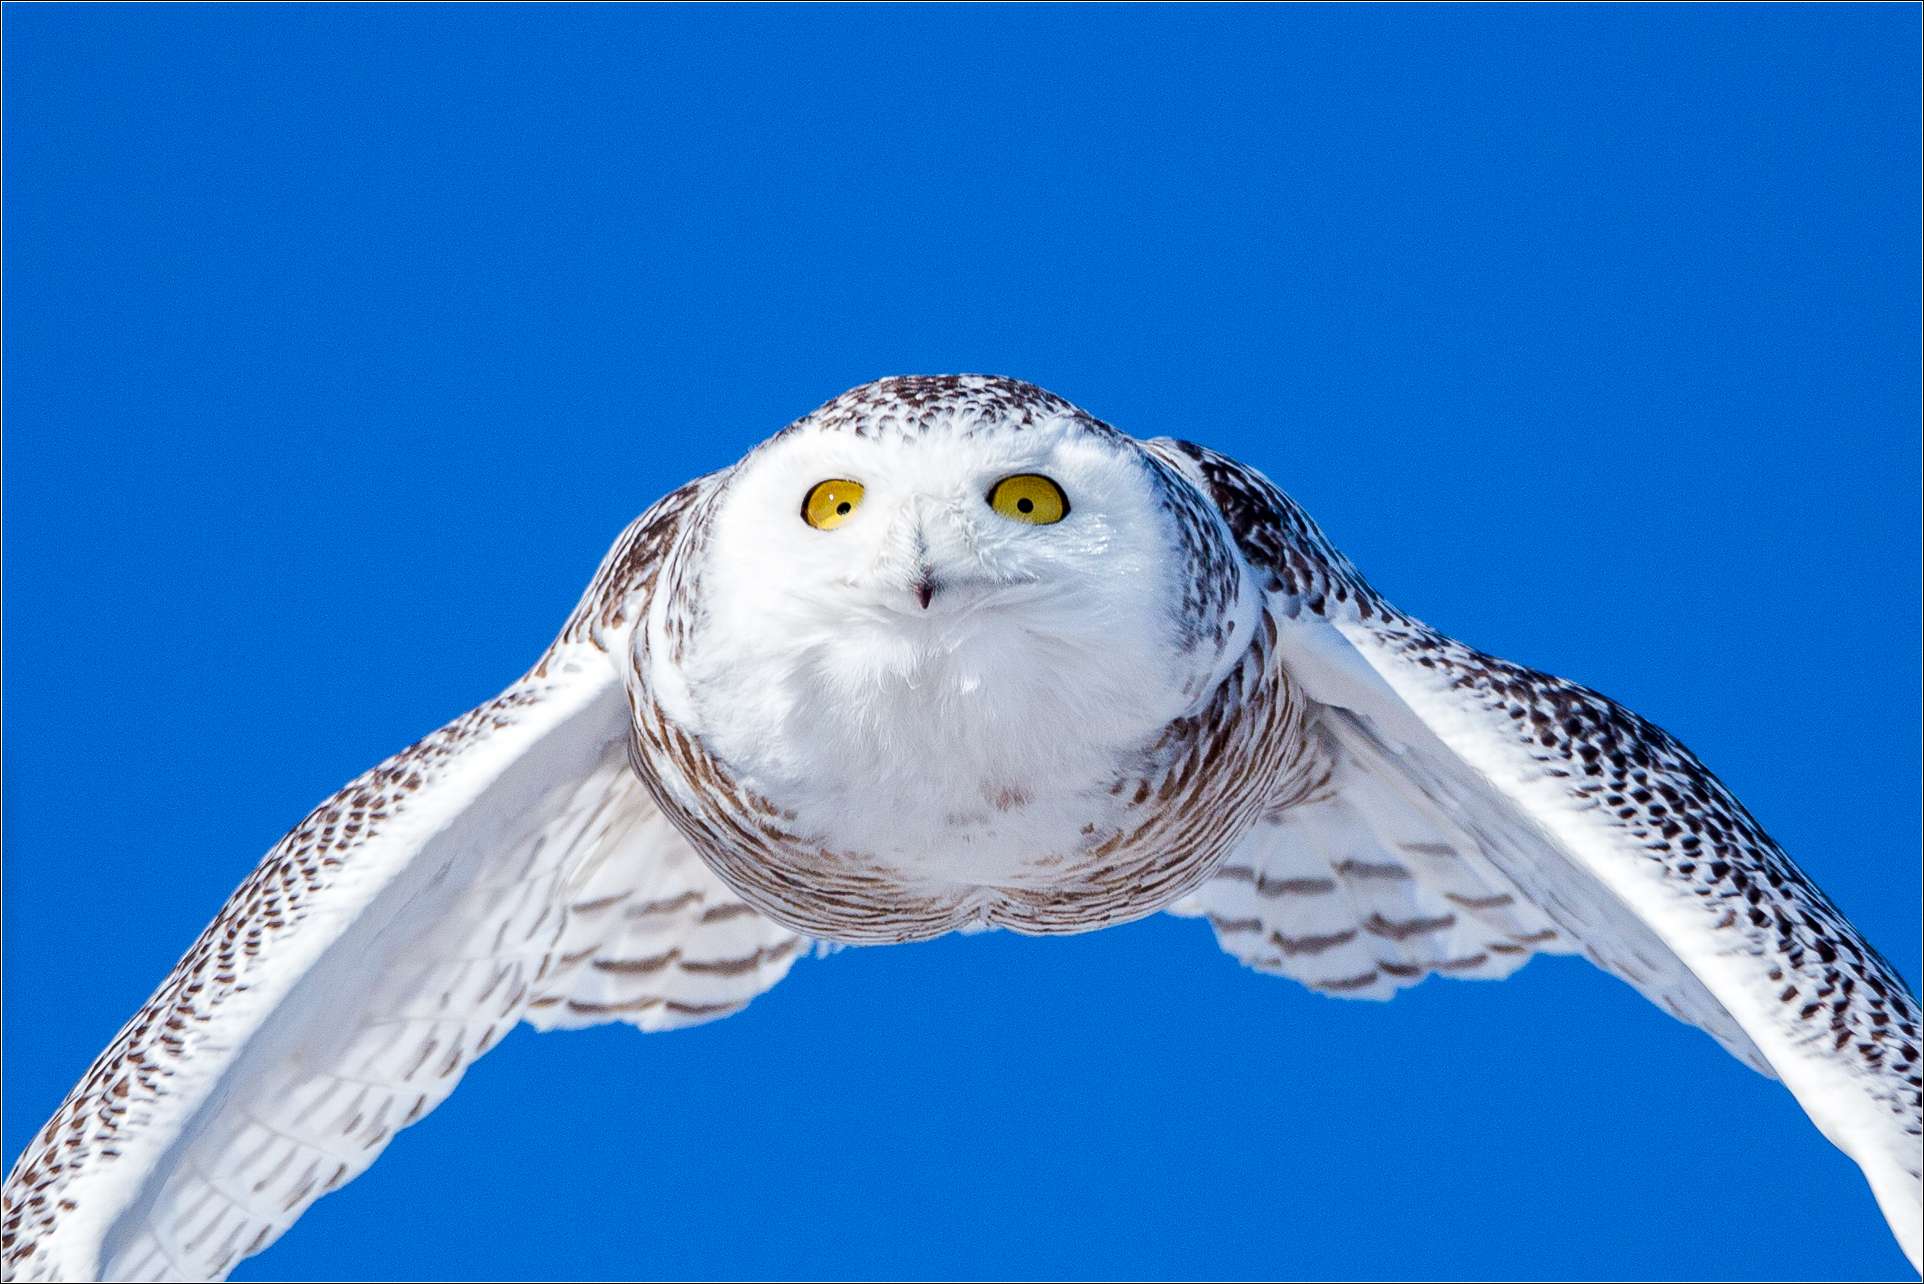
842 508
1025 505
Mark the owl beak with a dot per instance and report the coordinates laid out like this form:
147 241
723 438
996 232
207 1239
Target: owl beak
924 573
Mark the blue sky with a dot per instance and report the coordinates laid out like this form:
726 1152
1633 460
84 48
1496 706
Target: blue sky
340 342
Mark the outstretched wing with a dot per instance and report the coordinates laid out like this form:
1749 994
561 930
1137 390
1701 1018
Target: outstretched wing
508 865
1475 806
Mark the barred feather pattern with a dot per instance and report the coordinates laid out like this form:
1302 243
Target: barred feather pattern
1355 893
1655 863
654 939
1623 769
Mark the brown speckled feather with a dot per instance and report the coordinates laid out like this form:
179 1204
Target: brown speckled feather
312 1020
1519 809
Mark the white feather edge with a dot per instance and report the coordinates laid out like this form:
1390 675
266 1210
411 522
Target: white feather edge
1345 664
552 740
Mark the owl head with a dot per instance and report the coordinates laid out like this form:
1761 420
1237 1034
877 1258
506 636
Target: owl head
965 556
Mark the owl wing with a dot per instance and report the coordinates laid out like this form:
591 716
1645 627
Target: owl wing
1476 810
508 866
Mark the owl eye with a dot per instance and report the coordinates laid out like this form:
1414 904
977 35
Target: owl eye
1031 498
828 504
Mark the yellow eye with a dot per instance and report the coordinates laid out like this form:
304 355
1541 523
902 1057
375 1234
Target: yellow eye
829 504
1031 498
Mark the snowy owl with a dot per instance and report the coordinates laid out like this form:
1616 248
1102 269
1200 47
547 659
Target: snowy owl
799 703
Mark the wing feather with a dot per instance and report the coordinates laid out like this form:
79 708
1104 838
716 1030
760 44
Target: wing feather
670 945
1354 895
338 995
386 942
1594 819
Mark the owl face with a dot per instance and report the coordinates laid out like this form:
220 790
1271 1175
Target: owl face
993 594
1055 525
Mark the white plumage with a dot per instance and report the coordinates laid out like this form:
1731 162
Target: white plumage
767 725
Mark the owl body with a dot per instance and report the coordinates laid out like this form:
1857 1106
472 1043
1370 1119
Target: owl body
947 654
932 716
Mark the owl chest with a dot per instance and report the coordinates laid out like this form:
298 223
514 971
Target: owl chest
963 819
